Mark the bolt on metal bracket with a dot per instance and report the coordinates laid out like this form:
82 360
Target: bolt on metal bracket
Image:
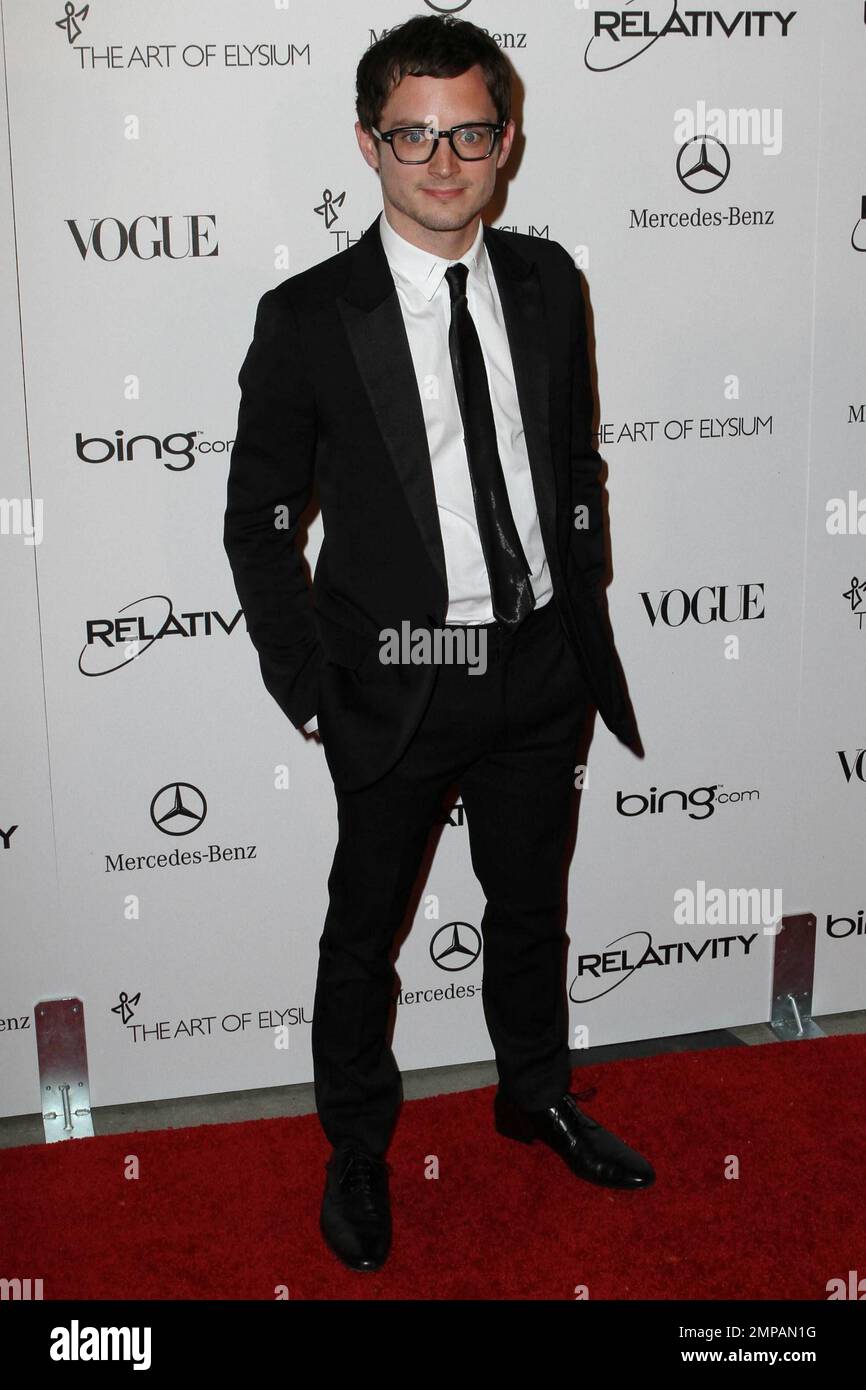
61 1047
794 978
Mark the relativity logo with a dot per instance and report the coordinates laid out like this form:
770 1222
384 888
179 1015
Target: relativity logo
621 958
114 642
619 36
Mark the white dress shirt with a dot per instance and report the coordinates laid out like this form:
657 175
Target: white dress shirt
425 302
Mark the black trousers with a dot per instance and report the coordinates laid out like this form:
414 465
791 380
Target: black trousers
509 739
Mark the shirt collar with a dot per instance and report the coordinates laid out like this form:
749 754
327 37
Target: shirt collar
422 268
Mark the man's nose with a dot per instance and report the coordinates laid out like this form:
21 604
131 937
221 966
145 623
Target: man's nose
444 160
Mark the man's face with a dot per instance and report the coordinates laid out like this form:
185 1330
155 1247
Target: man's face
446 193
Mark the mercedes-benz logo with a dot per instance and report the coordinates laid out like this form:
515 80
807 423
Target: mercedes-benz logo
178 808
455 946
707 170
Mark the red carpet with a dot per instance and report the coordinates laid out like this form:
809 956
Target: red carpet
230 1211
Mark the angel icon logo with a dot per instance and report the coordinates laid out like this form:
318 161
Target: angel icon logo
125 1008
70 20
856 596
327 205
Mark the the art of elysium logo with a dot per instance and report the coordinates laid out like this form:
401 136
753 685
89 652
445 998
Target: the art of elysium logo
72 20
855 597
327 208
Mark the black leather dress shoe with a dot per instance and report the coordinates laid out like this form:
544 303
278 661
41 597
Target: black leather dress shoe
589 1150
356 1211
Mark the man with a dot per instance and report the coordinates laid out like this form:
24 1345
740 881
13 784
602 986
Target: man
434 378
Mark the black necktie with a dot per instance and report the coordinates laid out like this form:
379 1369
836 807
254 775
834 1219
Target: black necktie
507 570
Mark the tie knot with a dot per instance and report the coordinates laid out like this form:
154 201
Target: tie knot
456 275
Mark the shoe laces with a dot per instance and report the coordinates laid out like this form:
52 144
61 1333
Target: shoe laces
359 1172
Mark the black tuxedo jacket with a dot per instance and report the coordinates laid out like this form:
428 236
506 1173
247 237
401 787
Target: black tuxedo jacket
328 392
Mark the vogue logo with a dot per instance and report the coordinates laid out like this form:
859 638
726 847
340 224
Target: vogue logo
711 603
852 766
176 238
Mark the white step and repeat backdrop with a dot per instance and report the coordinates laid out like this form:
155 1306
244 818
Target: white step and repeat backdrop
166 834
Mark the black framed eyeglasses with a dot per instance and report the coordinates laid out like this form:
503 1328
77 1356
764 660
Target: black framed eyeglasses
417 144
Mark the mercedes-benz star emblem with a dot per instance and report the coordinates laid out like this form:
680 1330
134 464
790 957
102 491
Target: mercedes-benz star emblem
707 170
455 946
178 808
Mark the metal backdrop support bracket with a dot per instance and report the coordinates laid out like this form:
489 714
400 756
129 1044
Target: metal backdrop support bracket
61 1047
793 979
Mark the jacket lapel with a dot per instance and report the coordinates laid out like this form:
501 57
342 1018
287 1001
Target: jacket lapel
370 310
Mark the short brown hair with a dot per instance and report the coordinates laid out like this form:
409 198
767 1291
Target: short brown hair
430 46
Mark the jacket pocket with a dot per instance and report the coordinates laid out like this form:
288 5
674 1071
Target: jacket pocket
344 646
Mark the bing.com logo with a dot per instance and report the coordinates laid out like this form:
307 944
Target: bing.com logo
176 451
699 803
